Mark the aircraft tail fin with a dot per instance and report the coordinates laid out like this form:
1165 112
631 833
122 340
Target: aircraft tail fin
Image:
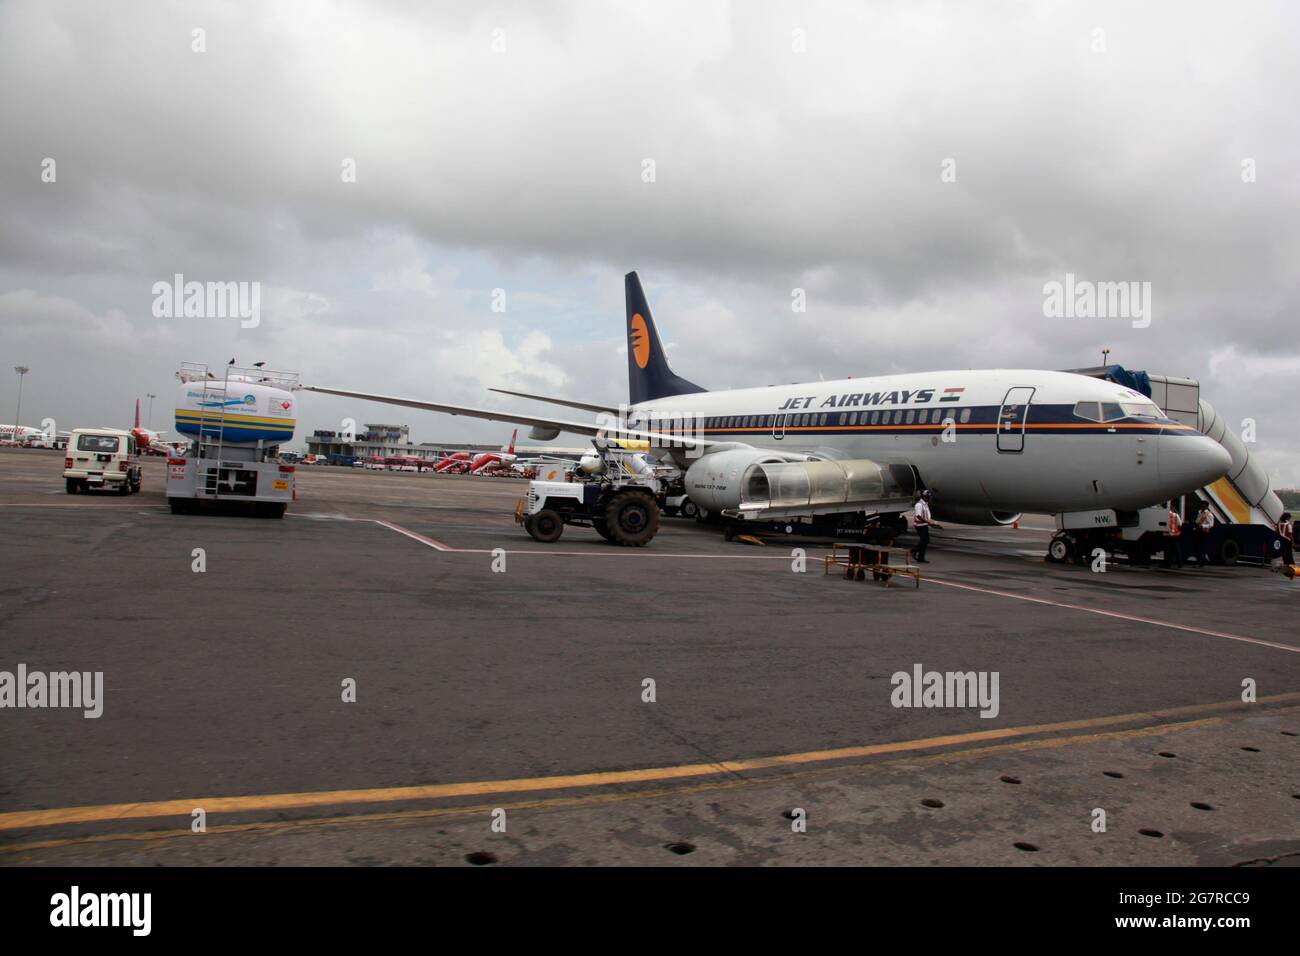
648 374
513 435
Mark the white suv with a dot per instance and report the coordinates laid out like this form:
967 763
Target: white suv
102 458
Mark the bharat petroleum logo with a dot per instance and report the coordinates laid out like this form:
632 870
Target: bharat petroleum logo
640 341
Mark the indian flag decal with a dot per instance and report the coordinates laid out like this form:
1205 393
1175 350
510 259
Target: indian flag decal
951 394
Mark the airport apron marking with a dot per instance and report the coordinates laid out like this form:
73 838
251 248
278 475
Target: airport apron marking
402 817
25 819
439 546
1119 614
436 545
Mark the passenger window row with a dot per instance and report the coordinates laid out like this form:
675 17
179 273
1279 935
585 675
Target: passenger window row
912 416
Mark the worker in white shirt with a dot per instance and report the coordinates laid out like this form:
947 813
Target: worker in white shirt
1200 530
1286 530
922 523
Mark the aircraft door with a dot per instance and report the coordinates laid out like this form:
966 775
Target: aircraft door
778 427
1011 418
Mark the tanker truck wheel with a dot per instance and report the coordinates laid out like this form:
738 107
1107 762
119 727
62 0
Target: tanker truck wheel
545 526
632 518
689 509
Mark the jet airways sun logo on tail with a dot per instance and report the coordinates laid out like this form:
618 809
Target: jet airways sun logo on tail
640 337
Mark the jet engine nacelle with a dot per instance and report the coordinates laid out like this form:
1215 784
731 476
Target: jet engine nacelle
965 514
758 483
713 481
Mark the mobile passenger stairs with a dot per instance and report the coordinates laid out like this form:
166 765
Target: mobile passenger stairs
1245 508
234 456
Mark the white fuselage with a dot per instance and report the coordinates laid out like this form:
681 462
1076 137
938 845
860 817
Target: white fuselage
1002 439
21 432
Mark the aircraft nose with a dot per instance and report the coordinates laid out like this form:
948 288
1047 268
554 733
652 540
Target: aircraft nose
1191 461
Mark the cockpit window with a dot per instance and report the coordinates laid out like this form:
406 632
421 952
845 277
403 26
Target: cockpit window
1114 411
1141 409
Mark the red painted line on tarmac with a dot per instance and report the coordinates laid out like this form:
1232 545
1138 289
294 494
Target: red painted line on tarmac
1119 614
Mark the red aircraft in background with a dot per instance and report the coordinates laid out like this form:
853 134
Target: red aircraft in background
478 463
501 462
495 460
148 440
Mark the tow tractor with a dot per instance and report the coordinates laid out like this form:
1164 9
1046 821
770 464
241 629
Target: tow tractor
617 492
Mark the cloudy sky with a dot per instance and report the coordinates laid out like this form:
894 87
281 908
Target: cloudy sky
921 170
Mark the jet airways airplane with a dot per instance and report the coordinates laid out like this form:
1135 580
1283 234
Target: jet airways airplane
988 443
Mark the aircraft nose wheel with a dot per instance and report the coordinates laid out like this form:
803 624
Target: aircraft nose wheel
1060 550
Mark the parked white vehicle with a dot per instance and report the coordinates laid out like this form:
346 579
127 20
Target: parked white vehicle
102 458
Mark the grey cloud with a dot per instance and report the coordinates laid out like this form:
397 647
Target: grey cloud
774 170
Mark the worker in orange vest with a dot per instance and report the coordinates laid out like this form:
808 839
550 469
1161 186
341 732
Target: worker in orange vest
1173 547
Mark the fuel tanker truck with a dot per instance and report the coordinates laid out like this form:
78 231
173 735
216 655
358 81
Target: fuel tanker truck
236 422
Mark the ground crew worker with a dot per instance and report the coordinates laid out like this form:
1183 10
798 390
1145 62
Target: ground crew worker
858 556
922 523
1286 529
1173 549
1200 531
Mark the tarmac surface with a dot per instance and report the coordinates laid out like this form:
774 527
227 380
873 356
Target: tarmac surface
501 712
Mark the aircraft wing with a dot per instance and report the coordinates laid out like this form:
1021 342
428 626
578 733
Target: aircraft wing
585 406
606 429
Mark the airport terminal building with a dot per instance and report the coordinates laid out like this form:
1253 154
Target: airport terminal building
394 441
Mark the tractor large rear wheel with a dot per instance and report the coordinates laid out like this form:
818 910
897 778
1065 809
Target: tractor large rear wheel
631 518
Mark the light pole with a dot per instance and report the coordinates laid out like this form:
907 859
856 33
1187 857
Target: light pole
18 415
1105 356
152 396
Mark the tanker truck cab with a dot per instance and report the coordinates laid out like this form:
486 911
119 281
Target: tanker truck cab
102 458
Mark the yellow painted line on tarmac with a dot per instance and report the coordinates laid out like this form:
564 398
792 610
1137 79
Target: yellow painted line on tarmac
588 801
24 819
